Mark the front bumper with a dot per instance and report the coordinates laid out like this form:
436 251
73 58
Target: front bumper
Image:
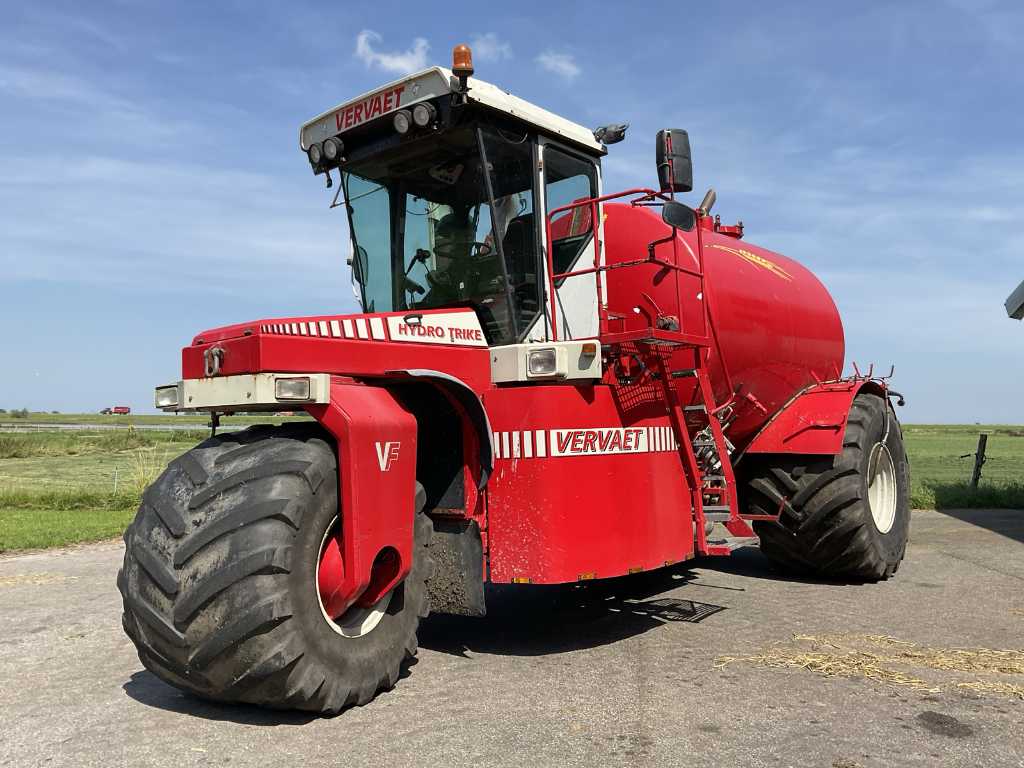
243 392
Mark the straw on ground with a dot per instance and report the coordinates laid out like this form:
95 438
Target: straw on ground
891 661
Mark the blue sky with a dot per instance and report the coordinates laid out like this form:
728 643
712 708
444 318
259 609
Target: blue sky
151 185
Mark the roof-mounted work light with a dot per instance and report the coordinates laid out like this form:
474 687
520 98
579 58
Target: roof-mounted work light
402 121
333 147
315 154
423 114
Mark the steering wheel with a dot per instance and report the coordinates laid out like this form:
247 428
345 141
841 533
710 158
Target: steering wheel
475 249
457 280
464 261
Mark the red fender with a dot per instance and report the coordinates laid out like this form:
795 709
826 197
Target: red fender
813 421
376 439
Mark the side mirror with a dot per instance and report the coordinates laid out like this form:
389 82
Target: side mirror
360 264
672 152
678 215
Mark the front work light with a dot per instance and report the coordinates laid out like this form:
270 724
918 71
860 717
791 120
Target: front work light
333 148
167 397
315 154
542 362
296 388
403 121
423 114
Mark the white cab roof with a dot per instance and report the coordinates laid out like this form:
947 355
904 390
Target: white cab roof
428 84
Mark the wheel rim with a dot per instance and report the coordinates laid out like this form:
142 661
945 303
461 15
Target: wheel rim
357 620
882 488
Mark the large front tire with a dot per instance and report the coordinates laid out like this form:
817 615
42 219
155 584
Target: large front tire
842 517
220 579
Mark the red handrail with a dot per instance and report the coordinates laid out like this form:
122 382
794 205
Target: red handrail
595 223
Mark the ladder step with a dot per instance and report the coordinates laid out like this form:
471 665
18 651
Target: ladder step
684 372
714 477
716 507
716 517
703 443
695 408
732 543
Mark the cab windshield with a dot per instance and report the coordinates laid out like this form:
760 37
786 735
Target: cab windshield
447 221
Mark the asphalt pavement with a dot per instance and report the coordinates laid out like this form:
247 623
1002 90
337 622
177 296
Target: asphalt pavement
618 676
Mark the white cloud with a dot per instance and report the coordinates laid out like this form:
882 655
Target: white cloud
561 64
96 107
38 84
224 227
490 48
991 214
400 62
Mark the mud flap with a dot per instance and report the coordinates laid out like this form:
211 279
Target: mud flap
457 585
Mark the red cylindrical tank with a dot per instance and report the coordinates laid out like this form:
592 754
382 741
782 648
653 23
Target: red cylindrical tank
776 326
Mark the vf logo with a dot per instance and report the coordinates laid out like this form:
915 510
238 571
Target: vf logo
387 454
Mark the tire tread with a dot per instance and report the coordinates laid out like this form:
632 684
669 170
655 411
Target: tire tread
208 563
824 510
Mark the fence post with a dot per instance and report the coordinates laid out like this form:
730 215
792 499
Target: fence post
979 460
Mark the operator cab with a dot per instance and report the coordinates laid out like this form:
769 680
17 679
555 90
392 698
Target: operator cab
442 184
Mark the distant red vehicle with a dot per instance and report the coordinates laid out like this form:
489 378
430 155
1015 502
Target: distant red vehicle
117 410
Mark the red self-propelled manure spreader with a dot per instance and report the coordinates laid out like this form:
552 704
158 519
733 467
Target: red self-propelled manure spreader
546 384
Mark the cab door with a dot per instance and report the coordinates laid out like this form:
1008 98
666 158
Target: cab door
567 177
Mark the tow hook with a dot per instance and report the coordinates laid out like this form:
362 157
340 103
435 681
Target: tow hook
213 359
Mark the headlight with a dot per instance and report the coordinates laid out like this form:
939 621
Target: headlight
332 149
315 154
542 362
423 114
402 121
296 388
167 397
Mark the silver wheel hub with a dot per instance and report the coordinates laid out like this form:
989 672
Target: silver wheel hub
356 621
882 493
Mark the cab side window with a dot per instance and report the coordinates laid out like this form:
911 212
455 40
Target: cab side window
568 179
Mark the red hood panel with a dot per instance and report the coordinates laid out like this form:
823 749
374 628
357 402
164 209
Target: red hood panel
451 327
448 340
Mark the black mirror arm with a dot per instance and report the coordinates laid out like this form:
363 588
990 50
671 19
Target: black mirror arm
654 243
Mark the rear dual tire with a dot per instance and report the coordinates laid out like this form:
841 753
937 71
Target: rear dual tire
843 517
220 579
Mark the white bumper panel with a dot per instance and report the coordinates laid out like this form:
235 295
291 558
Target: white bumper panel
255 391
574 360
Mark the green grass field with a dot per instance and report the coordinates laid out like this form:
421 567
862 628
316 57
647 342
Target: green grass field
61 487
942 459
185 420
